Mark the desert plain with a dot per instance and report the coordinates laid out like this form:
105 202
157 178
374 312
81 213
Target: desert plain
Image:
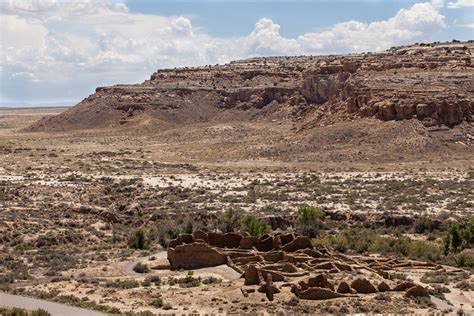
88 214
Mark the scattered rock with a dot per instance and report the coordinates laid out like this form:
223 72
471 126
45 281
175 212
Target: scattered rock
383 287
417 291
363 286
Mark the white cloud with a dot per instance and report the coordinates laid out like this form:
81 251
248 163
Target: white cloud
418 23
437 4
83 44
461 4
469 25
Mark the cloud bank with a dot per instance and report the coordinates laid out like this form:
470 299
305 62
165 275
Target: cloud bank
62 50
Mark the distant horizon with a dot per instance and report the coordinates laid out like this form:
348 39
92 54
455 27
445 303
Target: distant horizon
56 51
12 105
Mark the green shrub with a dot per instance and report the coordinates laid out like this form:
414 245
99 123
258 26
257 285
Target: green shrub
189 226
158 302
423 224
188 281
309 220
123 284
210 280
365 240
141 268
13 311
255 227
154 279
434 277
40 312
456 238
464 259
468 233
453 239
139 240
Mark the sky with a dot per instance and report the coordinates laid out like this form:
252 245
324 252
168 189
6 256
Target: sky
58 52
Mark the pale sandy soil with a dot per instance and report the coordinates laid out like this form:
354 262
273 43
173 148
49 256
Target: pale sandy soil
60 186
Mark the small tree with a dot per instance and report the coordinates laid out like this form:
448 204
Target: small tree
455 237
253 226
309 220
138 240
188 226
447 244
468 233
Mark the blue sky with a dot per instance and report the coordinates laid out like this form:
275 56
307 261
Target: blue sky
59 51
236 18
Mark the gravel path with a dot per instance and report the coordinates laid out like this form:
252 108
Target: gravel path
9 300
223 271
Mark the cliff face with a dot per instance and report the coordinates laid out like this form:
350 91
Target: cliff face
431 83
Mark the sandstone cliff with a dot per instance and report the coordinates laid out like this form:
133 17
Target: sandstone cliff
432 83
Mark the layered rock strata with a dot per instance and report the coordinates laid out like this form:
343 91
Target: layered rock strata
429 82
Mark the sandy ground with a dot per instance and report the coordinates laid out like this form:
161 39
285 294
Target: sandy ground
53 181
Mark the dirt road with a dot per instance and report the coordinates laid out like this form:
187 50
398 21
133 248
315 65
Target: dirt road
9 300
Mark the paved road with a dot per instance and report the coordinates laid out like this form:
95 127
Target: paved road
9 300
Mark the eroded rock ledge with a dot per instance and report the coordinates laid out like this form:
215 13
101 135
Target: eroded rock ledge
430 82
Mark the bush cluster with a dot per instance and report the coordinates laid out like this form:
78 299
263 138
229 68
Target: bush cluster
309 220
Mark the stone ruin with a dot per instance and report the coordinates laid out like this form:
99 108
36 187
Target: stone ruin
288 260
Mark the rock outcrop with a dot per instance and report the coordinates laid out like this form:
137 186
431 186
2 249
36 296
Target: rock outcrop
431 83
417 291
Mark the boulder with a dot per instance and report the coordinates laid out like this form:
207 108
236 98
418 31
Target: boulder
386 110
383 287
405 110
232 240
342 266
343 288
277 277
251 275
195 255
317 293
363 286
216 240
300 242
319 281
417 291
324 266
404 286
